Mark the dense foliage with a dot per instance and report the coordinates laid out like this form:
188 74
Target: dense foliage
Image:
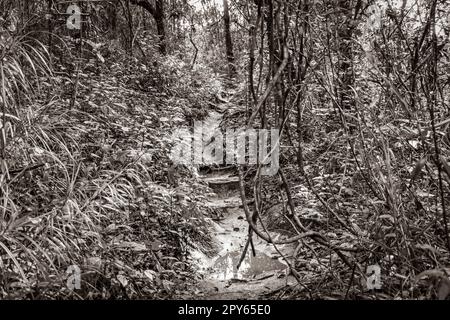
358 88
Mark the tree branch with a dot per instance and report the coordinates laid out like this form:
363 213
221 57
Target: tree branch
146 5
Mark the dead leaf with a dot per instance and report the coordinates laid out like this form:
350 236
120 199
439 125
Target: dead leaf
388 217
156 245
434 273
134 246
95 262
150 274
426 247
123 281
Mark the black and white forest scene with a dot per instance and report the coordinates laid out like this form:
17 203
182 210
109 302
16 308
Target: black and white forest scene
225 150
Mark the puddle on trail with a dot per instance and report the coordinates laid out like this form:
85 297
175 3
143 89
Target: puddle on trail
230 236
257 273
225 268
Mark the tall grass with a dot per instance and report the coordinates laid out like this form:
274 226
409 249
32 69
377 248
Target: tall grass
78 187
24 63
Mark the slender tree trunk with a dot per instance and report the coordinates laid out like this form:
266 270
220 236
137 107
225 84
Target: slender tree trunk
112 17
50 23
228 39
345 69
130 28
161 25
252 46
269 17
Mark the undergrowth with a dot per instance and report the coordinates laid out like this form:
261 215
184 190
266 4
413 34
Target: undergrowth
85 174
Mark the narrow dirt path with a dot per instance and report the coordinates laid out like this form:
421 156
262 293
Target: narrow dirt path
258 275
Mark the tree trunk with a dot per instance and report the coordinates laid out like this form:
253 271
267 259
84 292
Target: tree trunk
157 11
160 25
345 50
228 40
112 17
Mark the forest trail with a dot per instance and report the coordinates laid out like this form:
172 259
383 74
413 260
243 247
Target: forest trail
102 198
258 275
